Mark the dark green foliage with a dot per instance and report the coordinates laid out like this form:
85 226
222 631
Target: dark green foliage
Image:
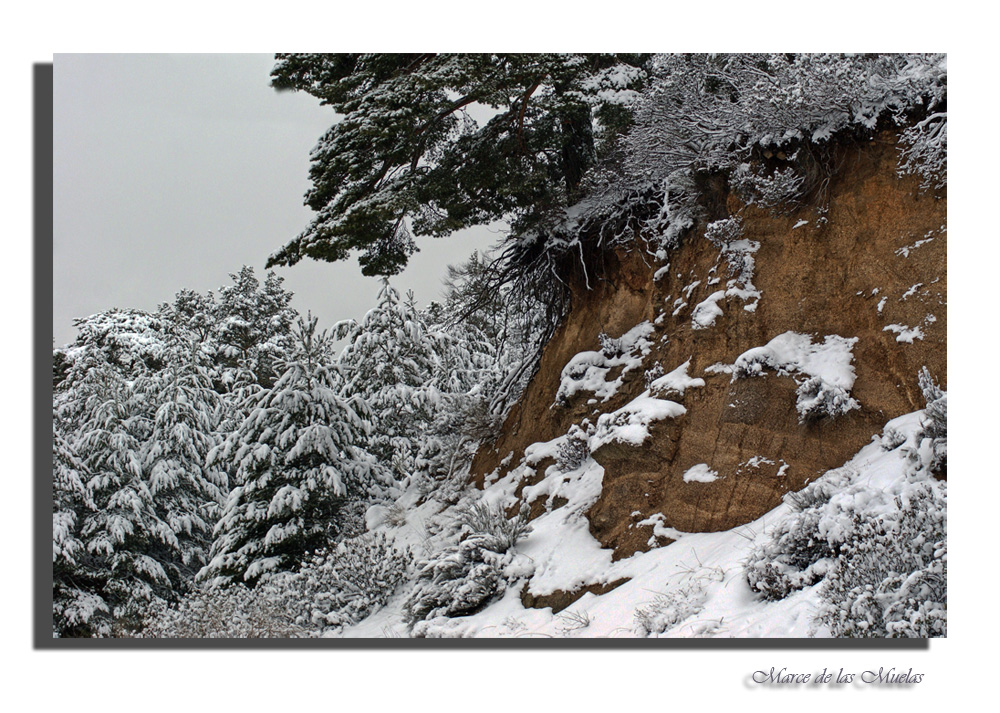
253 324
298 461
407 154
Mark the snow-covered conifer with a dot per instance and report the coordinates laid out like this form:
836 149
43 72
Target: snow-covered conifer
253 324
188 493
126 540
392 360
76 608
298 456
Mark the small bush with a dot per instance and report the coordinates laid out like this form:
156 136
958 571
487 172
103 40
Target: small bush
746 367
574 450
345 584
722 232
395 515
669 609
651 375
611 347
891 439
234 612
795 555
491 529
933 434
816 399
881 558
890 579
464 578
332 588
459 581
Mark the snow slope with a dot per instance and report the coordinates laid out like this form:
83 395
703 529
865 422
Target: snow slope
695 586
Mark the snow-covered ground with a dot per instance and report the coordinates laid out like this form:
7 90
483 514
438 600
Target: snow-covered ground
694 587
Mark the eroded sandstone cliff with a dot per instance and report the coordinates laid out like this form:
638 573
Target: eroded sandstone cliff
867 260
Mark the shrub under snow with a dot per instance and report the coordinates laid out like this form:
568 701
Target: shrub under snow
463 578
670 608
235 612
825 366
796 555
890 579
816 399
574 449
332 588
877 549
932 438
345 584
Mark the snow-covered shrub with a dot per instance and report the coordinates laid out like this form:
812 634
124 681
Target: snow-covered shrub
727 235
890 578
781 187
395 515
589 370
235 612
795 554
611 347
490 527
459 581
825 367
816 399
877 548
747 366
343 585
724 231
651 375
669 609
574 449
463 578
890 439
332 588
932 438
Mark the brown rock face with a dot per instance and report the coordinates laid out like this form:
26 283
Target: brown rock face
853 274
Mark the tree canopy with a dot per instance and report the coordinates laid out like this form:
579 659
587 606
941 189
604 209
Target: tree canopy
406 157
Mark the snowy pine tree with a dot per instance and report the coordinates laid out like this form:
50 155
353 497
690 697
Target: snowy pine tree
125 539
406 154
253 324
298 458
188 493
77 610
391 360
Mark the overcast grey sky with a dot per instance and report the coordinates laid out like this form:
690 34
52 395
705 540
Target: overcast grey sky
173 171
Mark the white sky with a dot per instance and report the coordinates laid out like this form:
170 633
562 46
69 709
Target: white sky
173 171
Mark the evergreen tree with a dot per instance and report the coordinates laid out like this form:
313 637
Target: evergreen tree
298 457
253 325
391 360
76 607
192 313
407 150
129 339
187 493
126 541
193 319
